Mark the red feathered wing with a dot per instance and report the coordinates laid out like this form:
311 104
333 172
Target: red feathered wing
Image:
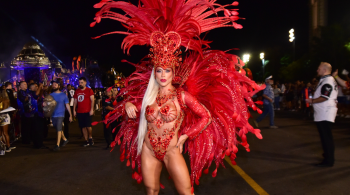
226 94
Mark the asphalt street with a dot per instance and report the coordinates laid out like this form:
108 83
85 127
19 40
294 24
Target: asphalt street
281 163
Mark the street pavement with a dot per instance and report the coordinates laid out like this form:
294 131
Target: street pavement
281 164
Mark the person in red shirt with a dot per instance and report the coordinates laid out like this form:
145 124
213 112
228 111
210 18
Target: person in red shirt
83 109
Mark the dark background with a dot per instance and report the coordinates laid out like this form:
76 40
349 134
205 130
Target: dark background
63 27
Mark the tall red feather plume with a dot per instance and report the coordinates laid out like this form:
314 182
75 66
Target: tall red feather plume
187 18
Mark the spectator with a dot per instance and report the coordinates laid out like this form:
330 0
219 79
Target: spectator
268 104
325 110
70 93
277 93
290 96
36 116
59 113
307 110
100 99
5 120
24 106
84 109
107 106
14 114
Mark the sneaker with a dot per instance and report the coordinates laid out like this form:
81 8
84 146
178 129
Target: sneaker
86 144
12 147
7 149
256 123
91 142
64 143
273 127
56 148
2 152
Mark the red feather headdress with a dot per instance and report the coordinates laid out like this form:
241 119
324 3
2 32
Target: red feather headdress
152 21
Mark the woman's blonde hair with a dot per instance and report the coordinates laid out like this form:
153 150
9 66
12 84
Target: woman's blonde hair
148 99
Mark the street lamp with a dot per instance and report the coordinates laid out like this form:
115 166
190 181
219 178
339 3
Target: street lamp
291 35
292 40
262 57
246 58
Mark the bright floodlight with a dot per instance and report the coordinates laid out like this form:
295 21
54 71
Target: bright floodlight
291 35
262 56
246 58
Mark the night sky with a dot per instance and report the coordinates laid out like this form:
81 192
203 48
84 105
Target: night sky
63 27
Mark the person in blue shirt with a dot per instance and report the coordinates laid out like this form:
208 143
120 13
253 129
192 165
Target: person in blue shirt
268 96
58 114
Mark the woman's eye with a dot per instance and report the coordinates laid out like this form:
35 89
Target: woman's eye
159 71
167 70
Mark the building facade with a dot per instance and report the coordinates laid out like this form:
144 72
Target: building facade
318 16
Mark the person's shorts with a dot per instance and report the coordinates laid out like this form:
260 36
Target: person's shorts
84 119
5 119
57 123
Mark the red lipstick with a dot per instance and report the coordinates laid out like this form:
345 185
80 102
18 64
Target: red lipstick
163 80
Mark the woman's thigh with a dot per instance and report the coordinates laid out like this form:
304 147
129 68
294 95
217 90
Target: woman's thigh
177 168
151 168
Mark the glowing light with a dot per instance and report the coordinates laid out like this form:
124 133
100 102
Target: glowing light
246 58
291 35
42 45
262 56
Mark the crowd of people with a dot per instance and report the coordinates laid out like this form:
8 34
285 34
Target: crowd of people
291 96
322 100
29 109
35 107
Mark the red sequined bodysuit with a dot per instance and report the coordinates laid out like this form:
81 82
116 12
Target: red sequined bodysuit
165 118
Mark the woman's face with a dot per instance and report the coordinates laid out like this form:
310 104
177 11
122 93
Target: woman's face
164 77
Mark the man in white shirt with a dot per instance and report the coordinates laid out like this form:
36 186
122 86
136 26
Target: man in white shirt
70 94
324 103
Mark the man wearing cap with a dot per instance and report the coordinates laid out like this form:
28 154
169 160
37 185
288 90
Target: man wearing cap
268 104
324 103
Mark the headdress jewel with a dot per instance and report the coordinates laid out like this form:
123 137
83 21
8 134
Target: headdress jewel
165 52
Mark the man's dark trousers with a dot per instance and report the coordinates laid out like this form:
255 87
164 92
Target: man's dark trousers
325 131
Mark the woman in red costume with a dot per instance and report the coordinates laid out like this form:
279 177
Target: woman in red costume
199 105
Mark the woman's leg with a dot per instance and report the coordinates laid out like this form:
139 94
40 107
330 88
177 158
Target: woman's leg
5 130
151 168
177 168
1 135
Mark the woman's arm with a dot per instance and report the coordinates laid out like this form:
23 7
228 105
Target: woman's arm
197 108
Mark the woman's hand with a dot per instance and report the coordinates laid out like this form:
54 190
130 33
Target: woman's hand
181 142
131 110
